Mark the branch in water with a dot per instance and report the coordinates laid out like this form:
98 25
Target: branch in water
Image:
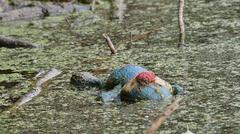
110 44
181 23
50 75
15 43
169 110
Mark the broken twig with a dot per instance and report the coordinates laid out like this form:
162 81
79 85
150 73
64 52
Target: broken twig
14 43
181 23
110 44
169 110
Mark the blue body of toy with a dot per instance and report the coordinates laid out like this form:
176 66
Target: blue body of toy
123 75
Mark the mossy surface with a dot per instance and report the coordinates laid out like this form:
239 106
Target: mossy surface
208 68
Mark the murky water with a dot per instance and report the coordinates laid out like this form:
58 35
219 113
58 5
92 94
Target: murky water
208 68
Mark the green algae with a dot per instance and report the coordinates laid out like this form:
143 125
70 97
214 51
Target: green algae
208 68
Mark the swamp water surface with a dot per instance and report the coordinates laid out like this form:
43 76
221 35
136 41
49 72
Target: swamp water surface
208 68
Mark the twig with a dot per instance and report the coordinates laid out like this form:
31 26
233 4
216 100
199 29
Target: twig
169 110
110 44
15 43
181 23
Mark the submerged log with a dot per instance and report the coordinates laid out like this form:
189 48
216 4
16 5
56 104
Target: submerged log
40 11
15 43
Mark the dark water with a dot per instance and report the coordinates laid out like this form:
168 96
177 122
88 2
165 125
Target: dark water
208 68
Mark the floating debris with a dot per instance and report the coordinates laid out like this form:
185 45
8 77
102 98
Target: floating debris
51 74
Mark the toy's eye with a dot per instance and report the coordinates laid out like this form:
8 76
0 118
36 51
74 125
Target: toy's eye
139 89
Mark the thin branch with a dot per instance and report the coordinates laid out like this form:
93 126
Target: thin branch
169 110
110 44
181 23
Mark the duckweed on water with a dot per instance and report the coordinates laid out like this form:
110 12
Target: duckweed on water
208 68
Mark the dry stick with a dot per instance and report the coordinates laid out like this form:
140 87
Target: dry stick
169 110
181 23
110 44
15 43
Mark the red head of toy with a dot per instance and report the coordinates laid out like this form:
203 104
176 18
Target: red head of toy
145 78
